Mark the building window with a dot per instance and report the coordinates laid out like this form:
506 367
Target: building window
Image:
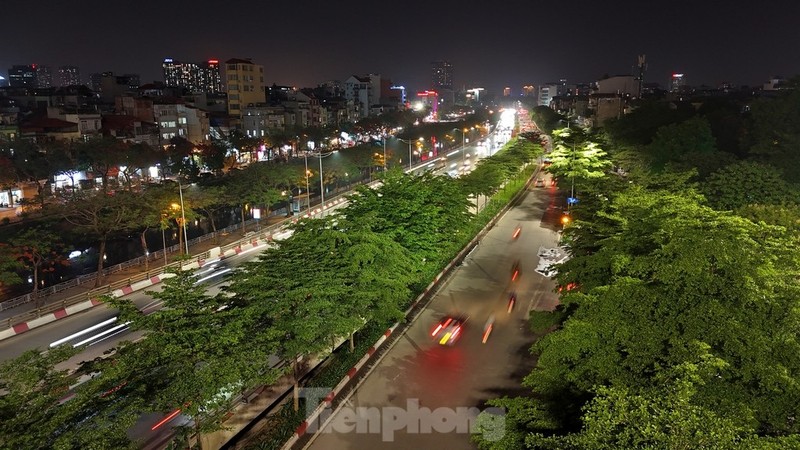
182 120
234 106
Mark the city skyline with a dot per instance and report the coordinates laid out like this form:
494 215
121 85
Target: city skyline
515 44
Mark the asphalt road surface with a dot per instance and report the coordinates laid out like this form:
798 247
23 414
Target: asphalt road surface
420 371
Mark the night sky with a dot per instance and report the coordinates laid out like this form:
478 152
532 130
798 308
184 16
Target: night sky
491 44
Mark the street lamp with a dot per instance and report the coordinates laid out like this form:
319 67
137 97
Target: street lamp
183 218
321 185
463 156
164 236
410 143
571 166
308 189
384 151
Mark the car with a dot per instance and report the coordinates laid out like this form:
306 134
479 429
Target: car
448 330
540 182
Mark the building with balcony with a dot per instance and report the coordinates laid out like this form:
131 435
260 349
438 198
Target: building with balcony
131 129
48 129
245 85
179 120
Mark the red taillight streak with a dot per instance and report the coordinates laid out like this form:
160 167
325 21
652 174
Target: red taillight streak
514 277
114 389
516 233
166 419
441 325
486 334
455 333
510 306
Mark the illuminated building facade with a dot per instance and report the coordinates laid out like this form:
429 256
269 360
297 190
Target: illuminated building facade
441 75
676 82
196 77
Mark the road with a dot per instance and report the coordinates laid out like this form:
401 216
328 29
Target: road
98 328
420 371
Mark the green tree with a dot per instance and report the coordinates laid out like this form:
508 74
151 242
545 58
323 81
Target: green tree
423 214
198 352
101 215
674 143
30 163
39 250
213 156
9 266
746 183
775 132
180 158
103 156
787 216
138 158
38 409
640 127
661 417
208 199
545 118
297 296
572 158
677 272
323 283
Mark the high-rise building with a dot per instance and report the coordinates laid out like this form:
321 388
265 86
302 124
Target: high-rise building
245 84
507 92
96 80
44 77
196 77
677 82
22 76
441 75
69 76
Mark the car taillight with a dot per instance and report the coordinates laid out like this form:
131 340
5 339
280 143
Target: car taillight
486 334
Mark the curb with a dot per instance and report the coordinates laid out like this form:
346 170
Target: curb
328 400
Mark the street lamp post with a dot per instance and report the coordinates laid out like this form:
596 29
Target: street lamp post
321 187
183 218
164 242
308 188
410 144
384 151
321 184
410 156
463 150
571 166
